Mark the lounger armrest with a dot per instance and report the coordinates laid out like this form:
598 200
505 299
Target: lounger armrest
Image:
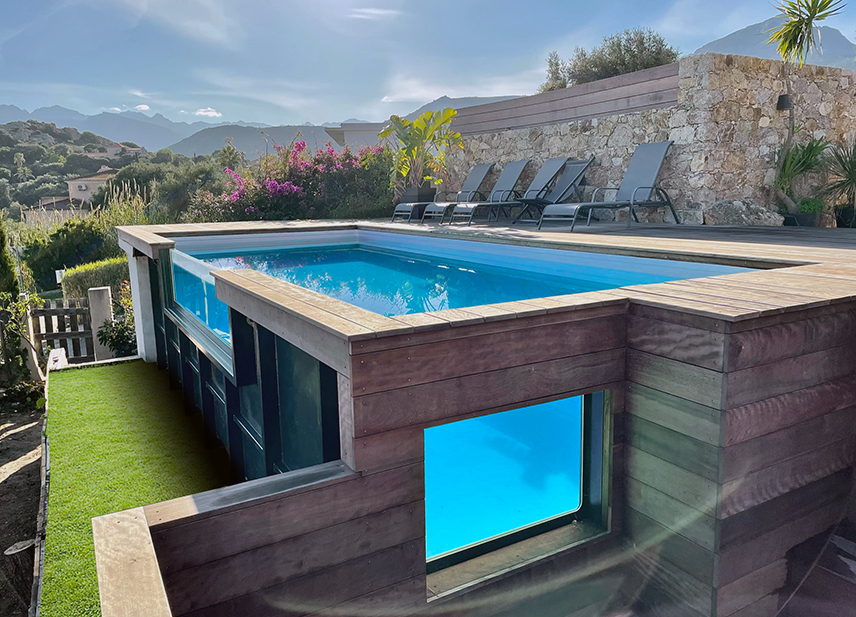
503 196
660 193
466 196
597 191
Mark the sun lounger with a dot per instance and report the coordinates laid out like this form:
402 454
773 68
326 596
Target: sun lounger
567 186
503 192
504 200
638 189
468 192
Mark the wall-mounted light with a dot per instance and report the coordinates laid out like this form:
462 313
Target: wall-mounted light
784 102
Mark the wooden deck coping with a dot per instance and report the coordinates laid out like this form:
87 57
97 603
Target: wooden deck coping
129 578
797 278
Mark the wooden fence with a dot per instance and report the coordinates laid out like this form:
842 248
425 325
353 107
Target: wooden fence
64 324
649 89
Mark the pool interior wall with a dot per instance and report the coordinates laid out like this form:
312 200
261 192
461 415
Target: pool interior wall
394 274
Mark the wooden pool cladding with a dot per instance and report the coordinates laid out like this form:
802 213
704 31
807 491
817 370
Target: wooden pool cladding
733 427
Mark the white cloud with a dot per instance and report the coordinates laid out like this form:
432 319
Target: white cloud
374 14
208 112
142 108
139 94
114 109
283 93
406 87
181 111
204 20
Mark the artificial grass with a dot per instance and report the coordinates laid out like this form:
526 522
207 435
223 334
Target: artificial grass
119 439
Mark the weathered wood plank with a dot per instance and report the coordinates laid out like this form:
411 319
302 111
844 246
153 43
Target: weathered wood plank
390 448
774 414
750 456
772 514
215 582
410 366
689 595
677 342
751 588
421 405
738 561
768 606
671 513
588 310
650 536
220 536
691 454
693 383
775 378
689 320
677 414
334 589
756 488
773 343
346 421
683 485
129 581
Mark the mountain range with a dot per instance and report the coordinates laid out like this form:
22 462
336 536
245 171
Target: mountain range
152 132
752 40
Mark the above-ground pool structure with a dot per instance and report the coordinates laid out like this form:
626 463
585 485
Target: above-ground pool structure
446 421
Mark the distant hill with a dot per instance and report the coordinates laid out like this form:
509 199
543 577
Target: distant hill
152 132
250 140
752 41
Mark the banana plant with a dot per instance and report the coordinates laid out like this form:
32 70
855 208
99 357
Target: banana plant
420 148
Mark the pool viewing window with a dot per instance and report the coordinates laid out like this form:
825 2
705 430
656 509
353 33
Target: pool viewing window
497 479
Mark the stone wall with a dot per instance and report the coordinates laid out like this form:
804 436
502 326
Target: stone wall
725 128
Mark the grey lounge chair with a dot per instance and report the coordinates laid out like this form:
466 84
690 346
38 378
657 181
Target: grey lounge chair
503 192
408 207
469 191
567 186
539 186
638 189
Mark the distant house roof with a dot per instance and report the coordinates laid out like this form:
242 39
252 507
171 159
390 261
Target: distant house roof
59 202
105 173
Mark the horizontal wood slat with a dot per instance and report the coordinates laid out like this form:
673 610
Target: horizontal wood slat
427 403
751 588
218 537
273 564
397 368
677 342
691 454
683 485
676 414
693 383
756 488
775 378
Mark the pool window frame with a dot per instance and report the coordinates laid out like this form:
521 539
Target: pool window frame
597 437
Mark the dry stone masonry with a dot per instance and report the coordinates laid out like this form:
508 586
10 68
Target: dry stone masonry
726 132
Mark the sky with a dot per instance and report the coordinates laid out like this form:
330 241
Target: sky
290 62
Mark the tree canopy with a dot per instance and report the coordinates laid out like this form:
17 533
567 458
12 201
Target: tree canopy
625 52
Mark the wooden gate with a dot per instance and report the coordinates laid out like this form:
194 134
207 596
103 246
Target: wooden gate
64 324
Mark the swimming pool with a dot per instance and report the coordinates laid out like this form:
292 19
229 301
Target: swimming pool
391 275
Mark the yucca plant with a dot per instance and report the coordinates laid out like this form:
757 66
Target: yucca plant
420 148
840 163
800 160
795 38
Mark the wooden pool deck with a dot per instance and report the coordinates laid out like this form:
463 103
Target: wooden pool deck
733 419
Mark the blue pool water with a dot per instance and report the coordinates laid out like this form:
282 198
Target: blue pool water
394 283
489 476
396 275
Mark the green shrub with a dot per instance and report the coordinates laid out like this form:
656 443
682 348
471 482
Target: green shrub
8 277
120 335
106 273
73 243
811 205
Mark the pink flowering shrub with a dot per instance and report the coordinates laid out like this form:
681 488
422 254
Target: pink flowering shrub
293 183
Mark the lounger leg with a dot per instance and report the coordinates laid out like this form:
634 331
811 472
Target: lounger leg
674 214
588 219
574 219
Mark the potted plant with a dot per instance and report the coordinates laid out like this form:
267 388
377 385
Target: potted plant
797 174
841 167
419 158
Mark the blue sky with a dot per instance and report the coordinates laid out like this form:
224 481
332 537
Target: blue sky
289 62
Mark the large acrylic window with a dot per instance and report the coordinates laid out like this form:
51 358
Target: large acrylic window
193 288
495 479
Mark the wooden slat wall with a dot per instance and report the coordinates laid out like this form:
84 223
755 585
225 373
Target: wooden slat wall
740 444
789 445
300 551
648 89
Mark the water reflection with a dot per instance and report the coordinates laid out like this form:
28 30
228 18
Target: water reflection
397 283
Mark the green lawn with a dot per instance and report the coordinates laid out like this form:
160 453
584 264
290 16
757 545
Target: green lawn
119 438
